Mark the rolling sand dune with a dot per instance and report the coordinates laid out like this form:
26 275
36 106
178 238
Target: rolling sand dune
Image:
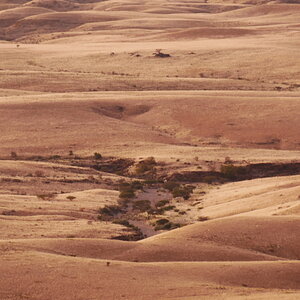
90 90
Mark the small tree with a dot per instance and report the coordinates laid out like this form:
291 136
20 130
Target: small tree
97 155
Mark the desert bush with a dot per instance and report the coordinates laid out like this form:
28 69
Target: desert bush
210 179
146 166
55 157
122 222
97 155
46 196
162 203
232 172
182 191
137 185
110 210
170 185
128 189
166 208
142 205
126 186
165 224
203 218
158 53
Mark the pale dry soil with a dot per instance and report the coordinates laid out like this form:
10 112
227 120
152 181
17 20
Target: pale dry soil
79 77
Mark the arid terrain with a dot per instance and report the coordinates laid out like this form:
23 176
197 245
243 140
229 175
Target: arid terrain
149 149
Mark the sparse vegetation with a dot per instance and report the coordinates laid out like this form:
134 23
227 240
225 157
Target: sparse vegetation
110 210
160 54
97 156
48 197
146 167
183 191
165 224
142 205
203 218
232 172
162 203
127 190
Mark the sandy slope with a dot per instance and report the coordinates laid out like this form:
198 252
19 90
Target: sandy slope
99 122
81 76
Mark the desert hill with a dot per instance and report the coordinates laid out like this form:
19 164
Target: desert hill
149 149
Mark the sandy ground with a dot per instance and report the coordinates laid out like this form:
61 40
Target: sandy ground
79 77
